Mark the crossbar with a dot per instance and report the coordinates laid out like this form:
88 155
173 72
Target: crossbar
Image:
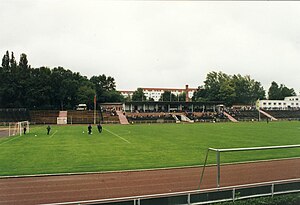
254 148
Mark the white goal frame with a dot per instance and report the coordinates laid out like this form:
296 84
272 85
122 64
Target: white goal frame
218 155
16 128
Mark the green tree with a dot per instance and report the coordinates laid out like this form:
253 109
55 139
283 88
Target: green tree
181 97
229 89
168 96
257 92
247 90
5 61
85 95
200 95
57 88
23 63
40 92
65 85
219 87
285 92
114 96
274 91
138 95
106 89
279 92
13 62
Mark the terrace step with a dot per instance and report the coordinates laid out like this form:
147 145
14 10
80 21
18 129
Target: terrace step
267 115
232 119
186 119
122 118
176 118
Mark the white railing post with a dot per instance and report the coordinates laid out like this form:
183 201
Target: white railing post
189 199
272 189
233 194
138 201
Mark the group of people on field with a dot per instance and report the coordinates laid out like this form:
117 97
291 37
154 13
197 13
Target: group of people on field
99 126
48 129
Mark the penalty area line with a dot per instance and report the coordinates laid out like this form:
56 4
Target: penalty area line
10 140
117 135
53 134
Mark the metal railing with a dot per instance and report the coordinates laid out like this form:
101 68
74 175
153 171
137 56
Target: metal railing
206 196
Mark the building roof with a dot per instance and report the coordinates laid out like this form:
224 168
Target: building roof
169 89
160 89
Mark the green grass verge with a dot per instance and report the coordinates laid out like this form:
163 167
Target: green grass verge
118 147
286 199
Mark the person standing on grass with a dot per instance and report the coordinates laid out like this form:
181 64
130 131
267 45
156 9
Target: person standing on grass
99 128
24 129
90 129
48 129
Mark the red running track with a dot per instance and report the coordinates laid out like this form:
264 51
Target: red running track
54 189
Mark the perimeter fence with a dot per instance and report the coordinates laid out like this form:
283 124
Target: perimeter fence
206 196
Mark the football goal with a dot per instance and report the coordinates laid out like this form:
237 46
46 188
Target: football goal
17 128
230 150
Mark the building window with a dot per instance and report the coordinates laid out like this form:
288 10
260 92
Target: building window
279 103
274 104
264 103
269 103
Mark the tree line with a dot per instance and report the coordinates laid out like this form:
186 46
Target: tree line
238 89
60 88
44 88
229 89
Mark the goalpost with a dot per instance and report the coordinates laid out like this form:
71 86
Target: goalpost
219 151
17 128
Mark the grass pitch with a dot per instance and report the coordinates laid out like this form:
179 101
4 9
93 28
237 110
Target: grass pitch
70 149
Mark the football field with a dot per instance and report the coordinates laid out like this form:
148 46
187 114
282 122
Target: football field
70 149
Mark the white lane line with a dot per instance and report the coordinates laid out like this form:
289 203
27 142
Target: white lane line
53 134
10 140
117 135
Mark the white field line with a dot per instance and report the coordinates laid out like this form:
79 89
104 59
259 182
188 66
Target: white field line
10 140
53 134
117 135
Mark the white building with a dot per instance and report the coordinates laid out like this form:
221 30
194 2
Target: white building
292 102
126 93
156 93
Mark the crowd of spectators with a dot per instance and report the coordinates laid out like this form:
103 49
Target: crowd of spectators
206 116
152 117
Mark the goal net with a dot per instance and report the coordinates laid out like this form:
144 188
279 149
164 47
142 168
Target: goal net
248 150
18 128
4 129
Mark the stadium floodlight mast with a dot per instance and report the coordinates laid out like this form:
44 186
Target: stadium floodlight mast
218 152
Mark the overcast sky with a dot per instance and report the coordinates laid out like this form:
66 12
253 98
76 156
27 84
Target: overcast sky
157 43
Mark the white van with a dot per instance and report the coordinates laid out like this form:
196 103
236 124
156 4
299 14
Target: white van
81 107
